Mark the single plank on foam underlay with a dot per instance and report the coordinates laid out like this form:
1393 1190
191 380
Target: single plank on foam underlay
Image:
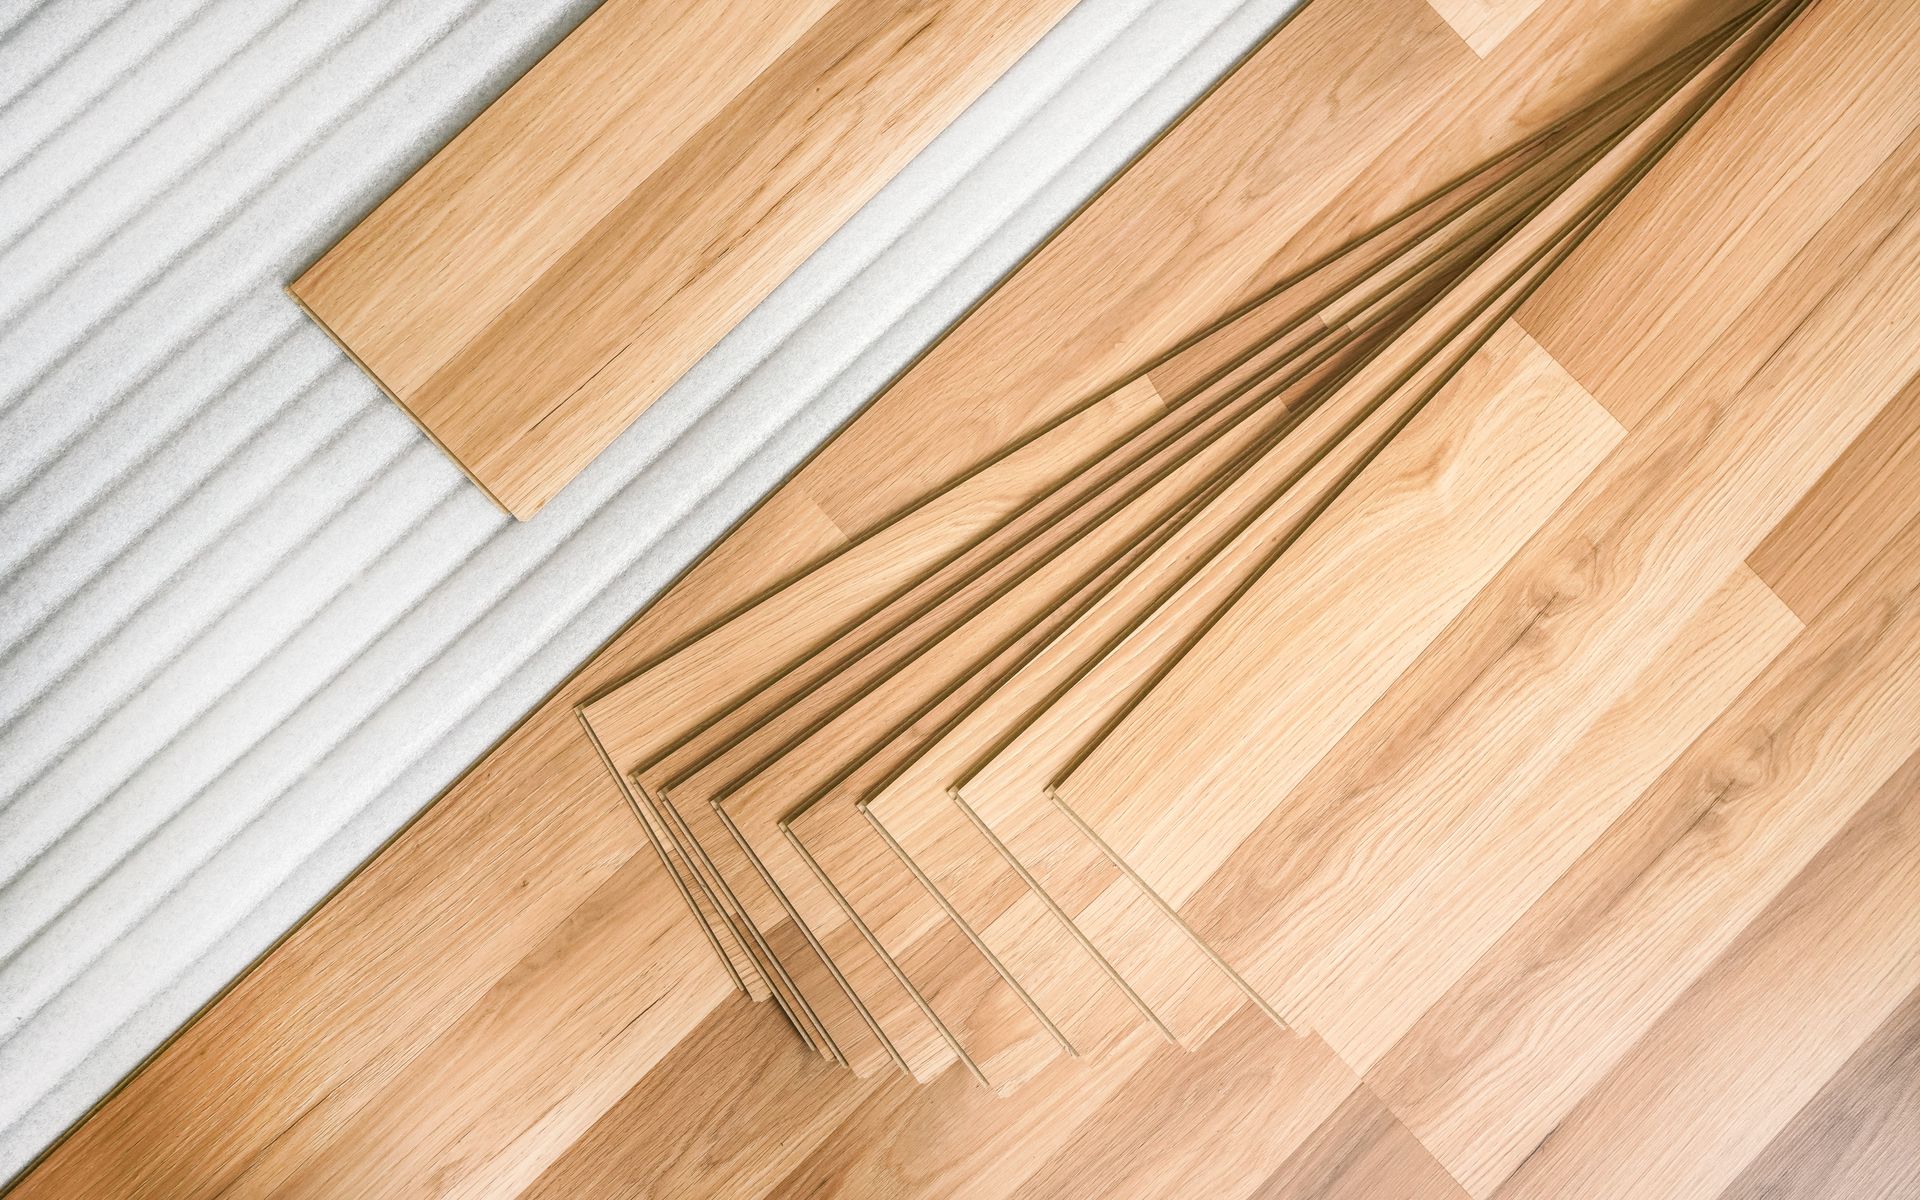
1560 1002
737 147
1707 230
1860 1135
1308 648
1749 1044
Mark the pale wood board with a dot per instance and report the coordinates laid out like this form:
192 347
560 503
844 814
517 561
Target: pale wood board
553 271
1860 1136
511 999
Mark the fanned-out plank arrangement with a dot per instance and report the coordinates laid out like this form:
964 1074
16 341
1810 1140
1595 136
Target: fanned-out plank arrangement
961 794
566 258
1380 662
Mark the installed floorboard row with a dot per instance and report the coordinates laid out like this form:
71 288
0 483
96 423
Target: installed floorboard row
553 270
1850 515
1685 992
1860 1134
1670 884
1709 1084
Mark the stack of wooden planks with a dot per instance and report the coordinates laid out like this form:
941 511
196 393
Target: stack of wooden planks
1609 891
947 795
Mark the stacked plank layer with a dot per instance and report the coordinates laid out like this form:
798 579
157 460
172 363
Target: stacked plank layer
942 794
1604 889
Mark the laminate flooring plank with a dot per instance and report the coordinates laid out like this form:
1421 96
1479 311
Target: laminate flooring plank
1849 516
1560 1001
912 808
581 349
729 1112
1215 1122
487 215
1484 24
1859 1137
1362 1152
1296 662
1776 158
1447 811
1750 1043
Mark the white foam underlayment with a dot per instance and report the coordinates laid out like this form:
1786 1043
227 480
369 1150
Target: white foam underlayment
251 620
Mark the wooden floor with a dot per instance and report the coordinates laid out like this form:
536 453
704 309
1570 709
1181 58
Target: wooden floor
1609 886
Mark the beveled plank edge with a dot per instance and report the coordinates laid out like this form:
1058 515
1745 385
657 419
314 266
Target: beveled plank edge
403 406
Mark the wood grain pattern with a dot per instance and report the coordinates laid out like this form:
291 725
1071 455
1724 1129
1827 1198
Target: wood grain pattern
1860 1136
1732 1061
1362 1152
1498 1063
525 346
511 998
1850 515
1774 161
1459 839
1424 530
